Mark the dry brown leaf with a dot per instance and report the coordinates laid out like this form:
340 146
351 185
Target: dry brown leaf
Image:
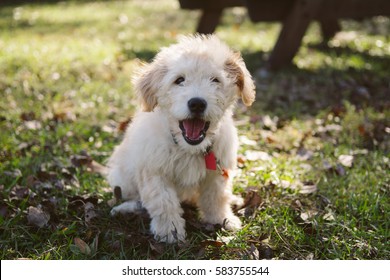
251 203
82 246
212 243
157 247
81 159
29 116
252 199
37 217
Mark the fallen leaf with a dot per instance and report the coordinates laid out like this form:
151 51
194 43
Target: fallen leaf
346 160
251 202
19 192
265 252
329 215
296 205
110 127
46 176
240 161
338 110
157 247
33 125
270 123
29 116
95 243
3 210
257 155
244 140
82 246
309 228
307 189
37 217
89 212
308 215
68 174
253 252
310 256
212 243
81 159
77 203
13 173
64 116
226 239
321 130
270 140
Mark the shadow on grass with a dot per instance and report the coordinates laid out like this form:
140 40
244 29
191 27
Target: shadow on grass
292 91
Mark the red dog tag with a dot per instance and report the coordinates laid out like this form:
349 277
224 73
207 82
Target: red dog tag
211 162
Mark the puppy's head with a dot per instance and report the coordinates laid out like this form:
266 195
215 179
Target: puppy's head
195 82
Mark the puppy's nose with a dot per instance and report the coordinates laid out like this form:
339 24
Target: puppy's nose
197 105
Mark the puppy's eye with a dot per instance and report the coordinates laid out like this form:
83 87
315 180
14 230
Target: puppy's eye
215 80
179 80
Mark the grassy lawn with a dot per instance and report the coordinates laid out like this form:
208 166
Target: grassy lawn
314 157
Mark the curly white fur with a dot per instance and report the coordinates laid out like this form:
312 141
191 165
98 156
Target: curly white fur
155 164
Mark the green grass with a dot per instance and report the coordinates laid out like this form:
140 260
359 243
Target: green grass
65 72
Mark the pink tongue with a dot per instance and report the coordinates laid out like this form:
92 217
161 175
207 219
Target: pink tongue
193 128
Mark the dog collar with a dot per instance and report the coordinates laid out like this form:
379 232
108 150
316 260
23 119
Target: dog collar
209 157
212 163
210 160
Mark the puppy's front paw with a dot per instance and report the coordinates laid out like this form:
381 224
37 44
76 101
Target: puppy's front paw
170 231
114 212
232 222
126 208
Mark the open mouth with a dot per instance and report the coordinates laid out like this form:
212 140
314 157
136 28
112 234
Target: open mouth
194 130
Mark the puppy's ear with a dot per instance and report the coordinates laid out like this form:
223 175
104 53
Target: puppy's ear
147 82
237 71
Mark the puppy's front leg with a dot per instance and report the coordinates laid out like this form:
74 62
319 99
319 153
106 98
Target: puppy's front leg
215 202
161 201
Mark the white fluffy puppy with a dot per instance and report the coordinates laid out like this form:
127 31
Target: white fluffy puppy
183 145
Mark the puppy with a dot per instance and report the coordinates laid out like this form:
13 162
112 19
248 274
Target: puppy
183 145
